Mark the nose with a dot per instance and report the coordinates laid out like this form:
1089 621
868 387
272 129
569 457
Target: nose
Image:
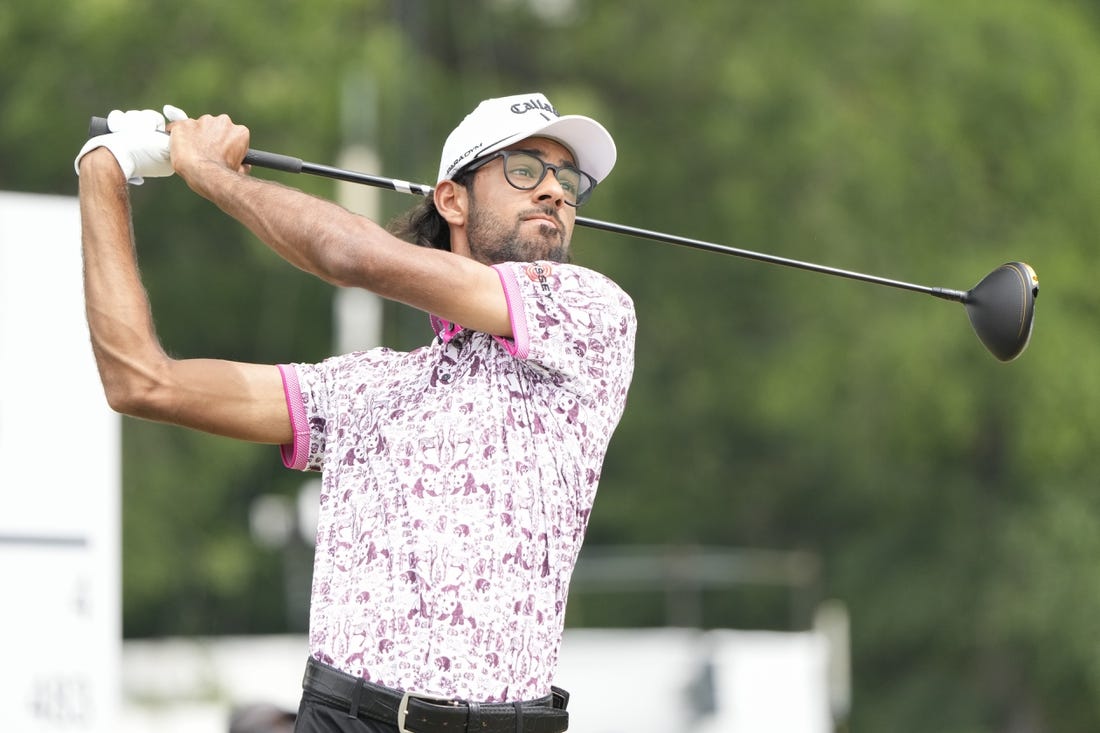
550 189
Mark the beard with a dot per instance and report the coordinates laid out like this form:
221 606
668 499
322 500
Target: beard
492 240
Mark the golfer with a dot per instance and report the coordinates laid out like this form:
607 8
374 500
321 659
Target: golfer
458 478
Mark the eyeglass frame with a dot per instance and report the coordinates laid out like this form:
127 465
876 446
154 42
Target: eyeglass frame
582 197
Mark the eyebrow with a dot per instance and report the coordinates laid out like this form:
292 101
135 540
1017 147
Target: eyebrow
542 154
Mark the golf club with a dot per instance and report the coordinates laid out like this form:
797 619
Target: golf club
1001 307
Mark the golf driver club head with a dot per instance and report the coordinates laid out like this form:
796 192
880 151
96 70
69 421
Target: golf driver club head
1002 307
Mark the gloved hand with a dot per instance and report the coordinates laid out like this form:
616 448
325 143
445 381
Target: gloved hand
138 142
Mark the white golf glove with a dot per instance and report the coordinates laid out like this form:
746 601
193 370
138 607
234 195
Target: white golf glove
138 142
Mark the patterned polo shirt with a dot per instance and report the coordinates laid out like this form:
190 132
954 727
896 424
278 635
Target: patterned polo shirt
457 480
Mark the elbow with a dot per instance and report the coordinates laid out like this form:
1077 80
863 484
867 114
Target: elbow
352 256
134 371
341 268
133 390
339 279
127 397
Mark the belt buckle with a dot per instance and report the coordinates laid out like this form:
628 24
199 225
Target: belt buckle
403 707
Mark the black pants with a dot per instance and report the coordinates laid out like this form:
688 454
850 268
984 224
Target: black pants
317 716
336 702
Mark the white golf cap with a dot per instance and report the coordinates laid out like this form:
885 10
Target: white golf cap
497 123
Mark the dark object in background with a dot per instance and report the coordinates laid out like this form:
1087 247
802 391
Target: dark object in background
261 718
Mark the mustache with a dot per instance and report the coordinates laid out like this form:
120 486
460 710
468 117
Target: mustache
549 211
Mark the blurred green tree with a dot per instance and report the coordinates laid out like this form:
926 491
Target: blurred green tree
950 498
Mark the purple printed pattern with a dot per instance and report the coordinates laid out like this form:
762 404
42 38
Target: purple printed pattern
457 485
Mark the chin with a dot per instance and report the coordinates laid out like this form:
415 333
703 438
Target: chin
560 255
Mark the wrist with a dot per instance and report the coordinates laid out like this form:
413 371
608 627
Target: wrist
210 179
101 163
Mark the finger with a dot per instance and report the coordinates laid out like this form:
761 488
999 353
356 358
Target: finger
173 113
135 120
114 119
150 119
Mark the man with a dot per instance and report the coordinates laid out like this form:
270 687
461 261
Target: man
457 478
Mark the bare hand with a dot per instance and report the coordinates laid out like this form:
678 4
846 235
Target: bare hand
207 144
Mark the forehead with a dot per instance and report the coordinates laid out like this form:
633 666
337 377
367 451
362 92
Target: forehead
549 150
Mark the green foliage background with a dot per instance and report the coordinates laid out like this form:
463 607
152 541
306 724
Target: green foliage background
951 499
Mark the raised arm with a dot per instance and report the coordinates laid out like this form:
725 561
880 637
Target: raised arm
226 398
326 240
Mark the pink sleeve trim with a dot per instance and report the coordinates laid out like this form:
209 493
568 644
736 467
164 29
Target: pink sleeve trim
296 452
519 345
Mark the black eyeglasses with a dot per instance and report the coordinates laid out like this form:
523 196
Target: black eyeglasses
525 171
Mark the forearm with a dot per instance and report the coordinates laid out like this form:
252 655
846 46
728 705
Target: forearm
349 250
123 340
329 241
313 234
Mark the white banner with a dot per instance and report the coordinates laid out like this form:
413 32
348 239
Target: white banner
60 627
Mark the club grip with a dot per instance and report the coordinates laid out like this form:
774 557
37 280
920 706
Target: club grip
274 161
98 126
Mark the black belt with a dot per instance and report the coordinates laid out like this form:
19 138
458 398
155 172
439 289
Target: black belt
413 713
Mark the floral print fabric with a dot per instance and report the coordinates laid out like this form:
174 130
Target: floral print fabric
457 484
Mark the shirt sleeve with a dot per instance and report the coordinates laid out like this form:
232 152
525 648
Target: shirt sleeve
571 321
305 405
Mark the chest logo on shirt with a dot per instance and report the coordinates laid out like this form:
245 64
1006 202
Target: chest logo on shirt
540 272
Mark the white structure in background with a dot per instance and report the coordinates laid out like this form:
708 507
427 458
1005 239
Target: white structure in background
60 628
658 680
358 312
620 681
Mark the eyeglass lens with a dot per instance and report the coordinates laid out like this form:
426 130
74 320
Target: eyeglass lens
526 171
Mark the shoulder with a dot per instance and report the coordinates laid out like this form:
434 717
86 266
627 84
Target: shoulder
550 278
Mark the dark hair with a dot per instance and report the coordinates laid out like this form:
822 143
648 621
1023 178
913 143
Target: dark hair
423 225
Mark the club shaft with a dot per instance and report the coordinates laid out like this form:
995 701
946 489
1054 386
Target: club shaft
392 184
423 190
946 294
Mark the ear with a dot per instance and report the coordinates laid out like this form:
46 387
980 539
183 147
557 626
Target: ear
451 202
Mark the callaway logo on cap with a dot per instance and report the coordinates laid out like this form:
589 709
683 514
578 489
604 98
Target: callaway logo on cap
497 123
